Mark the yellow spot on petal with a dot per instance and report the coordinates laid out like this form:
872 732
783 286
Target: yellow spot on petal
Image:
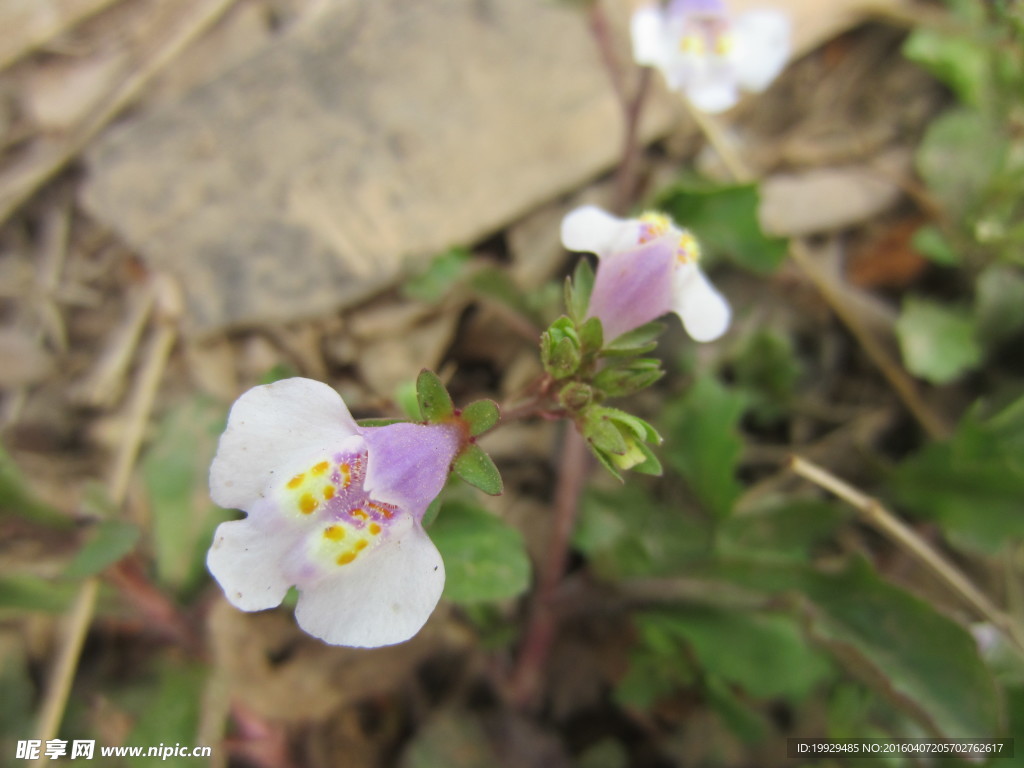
688 249
346 557
692 44
374 528
346 474
360 513
723 45
334 533
653 225
296 481
361 545
328 492
319 469
307 503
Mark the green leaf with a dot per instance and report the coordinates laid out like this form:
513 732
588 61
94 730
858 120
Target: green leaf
591 336
109 542
627 533
24 592
444 271
955 59
17 498
434 401
635 342
781 530
923 662
481 416
704 445
972 483
958 158
476 468
484 558
171 714
578 290
408 400
999 303
175 469
930 242
726 223
767 370
937 341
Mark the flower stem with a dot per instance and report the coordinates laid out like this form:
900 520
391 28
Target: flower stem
884 521
540 629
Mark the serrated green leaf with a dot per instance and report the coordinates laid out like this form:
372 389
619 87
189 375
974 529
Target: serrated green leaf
937 341
922 661
726 222
481 416
108 542
434 401
704 445
627 533
972 483
484 558
475 467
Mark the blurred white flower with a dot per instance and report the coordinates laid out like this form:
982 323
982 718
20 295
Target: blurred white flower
707 55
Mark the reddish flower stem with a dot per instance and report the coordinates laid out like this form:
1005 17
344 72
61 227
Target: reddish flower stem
540 629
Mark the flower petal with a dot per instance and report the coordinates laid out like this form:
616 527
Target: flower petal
591 230
647 30
382 598
634 287
704 311
712 94
408 464
246 559
274 426
761 48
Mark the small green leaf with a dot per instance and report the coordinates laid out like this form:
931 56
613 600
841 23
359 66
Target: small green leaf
110 541
485 559
379 422
434 401
591 336
937 341
578 290
601 433
704 445
564 359
481 416
930 242
443 272
476 468
407 399
24 592
958 61
726 222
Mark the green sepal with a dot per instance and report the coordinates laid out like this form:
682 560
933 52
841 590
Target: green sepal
578 290
629 378
430 514
560 349
434 401
651 465
606 462
476 468
635 424
601 433
591 336
379 422
635 342
481 416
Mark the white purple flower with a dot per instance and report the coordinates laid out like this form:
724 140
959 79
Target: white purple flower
334 509
707 55
647 267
